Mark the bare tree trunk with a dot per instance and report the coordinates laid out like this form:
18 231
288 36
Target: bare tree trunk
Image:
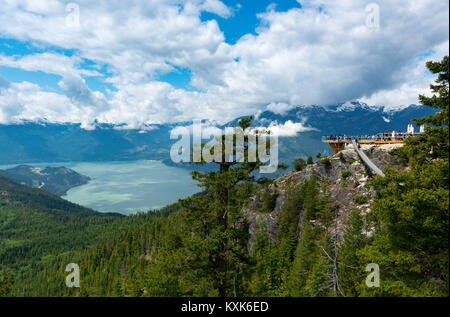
222 220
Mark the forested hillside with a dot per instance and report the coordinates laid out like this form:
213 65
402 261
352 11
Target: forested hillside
36 227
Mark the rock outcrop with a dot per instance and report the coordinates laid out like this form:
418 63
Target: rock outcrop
347 184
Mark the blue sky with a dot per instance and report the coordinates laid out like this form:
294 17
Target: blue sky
142 62
244 19
14 47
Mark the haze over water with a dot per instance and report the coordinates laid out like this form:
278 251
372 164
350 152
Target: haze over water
127 187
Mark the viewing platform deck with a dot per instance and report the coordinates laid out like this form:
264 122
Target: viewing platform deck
337 142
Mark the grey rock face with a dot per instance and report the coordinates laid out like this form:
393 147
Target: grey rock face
342 192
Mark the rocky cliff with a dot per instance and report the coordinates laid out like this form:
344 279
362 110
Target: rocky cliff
344 179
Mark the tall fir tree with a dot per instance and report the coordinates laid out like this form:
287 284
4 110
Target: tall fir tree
218 233
411 212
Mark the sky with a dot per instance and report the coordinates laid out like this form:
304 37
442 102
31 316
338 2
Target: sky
165 61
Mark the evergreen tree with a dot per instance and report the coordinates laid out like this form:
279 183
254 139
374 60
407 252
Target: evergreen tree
218 235
410 214
6 284
350 273
299 164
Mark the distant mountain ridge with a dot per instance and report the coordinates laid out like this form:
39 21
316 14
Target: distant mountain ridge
352 118
52 142
346 118
56 180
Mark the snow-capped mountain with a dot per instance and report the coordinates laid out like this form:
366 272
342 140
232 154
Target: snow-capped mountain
300 130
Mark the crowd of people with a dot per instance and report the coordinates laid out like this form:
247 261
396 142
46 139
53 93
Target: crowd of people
385 136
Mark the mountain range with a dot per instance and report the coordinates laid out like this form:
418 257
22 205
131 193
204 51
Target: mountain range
301 127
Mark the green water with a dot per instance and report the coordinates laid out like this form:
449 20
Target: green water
127 187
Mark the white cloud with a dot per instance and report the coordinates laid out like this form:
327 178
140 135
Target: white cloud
77 91
326 58
301 57
27 101
417 82
10 107
4 83
279 107
288 129
207 130
49 63
217 7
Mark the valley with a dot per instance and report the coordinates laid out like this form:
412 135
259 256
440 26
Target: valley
308 231
216 156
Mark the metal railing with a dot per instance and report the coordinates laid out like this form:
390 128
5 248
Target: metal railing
380 137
